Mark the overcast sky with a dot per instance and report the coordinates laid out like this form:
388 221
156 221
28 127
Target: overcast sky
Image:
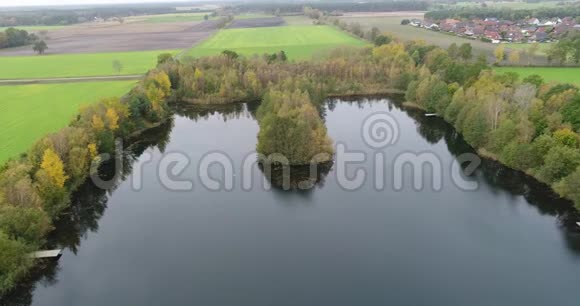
65 2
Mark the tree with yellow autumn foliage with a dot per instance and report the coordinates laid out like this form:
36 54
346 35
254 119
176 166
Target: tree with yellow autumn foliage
514 57
54 168
112 119
98 123
157 89
499 54
50 180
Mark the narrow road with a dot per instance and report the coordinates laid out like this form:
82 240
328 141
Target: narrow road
5 82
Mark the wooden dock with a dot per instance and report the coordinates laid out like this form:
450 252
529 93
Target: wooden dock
47 254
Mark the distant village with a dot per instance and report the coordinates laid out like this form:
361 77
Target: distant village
495 31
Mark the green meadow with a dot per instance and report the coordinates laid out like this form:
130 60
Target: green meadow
76 65
542 48
557 74
299 42
27 112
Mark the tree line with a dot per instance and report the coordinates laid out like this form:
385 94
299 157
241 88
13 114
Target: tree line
291 93
503 13
528 124
12 37
337 7
566 50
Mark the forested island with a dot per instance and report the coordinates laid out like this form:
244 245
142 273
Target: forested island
527 124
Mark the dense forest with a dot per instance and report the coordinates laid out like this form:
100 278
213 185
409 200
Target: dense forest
504 13
527 124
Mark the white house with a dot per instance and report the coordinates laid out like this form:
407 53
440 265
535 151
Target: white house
433 26
548 23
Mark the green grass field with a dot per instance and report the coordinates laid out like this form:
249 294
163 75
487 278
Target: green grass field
542 49
558 74
28 112
299 42
73 65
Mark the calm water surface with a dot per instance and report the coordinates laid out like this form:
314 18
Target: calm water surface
508 243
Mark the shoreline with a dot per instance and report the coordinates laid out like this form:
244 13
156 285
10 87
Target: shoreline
481 152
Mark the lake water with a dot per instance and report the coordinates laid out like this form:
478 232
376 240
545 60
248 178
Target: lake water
510 242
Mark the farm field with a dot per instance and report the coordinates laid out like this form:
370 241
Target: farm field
168 18
252 16
73 65
559 74
299 42
28 112
257 22
297 20
116 37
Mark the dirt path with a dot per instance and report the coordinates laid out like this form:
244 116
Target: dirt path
6 82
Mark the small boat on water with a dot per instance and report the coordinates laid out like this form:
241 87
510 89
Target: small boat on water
578 223
430 115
